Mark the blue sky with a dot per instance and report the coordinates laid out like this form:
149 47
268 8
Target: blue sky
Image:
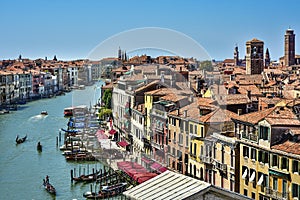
70 29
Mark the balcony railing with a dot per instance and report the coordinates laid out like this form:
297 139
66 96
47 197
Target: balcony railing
221 166
157 146
252 137
274 194
206 159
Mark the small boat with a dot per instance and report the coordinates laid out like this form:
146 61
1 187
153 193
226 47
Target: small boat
20 140
87 178
120 187
68 111
39 147
44 112
49 187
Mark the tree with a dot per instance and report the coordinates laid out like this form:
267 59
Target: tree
104 112
106 99
206 65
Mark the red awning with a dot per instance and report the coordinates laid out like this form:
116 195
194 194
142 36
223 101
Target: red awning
147 161
123 143
155 166
162 169
112 131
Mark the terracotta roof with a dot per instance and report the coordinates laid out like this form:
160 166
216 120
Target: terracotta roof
243 89
288 147
232 99
249 79
173 97
218 116
254 117
269 101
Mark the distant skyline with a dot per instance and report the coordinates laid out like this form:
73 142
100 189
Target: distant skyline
72 29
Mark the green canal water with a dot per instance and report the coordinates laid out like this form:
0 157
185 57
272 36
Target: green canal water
22 168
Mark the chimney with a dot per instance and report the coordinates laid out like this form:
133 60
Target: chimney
156 70
249 94
178 113
240 111
185 113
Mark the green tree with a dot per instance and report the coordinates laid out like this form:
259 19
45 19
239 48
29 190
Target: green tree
106 99
206 65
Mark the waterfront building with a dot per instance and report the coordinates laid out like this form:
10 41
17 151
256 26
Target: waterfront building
254 56
260 135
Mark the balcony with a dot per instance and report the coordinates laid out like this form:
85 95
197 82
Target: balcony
221 166
274 194
251 137
157 146
206 159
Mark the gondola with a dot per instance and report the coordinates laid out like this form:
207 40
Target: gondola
20 140
39 147
107 191
49 187
87 178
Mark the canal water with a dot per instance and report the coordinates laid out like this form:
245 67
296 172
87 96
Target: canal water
22 168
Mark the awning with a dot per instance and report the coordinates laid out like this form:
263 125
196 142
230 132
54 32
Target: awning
155 166
252 177
162 169
261 179
123 143
147 161
112 131
245 173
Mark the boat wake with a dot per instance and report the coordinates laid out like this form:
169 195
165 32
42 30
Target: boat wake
37 118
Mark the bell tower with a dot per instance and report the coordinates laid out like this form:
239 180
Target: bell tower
289 47
254 56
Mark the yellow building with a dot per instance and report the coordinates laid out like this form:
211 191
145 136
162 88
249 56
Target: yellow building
265 171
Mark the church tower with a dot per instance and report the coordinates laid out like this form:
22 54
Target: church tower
289 47
254 56
267 58
236 56
120 54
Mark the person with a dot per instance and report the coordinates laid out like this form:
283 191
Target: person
44 182
47 179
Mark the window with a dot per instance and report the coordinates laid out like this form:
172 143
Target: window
202 132
253 195
191 128
295 166
275 161
245 192
284 163
245 151
195 129
295 190
284 188
275 183
253 153
264 131
186 141
180 138
195 148
232 158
